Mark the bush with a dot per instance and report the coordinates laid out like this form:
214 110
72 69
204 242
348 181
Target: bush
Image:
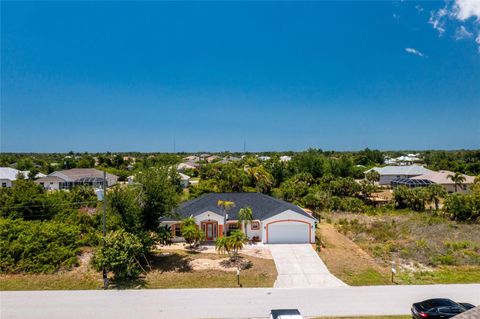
463 208
34 246
120 255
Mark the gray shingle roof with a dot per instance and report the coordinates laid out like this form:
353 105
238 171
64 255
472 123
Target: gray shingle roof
262 206
473 313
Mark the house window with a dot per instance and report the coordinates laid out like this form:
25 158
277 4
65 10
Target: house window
255 225
4 184
177 230
231 227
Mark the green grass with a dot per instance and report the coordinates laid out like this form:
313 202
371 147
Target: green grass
443 275
368 277
61 281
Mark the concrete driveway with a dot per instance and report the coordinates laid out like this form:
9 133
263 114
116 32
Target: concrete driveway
299 266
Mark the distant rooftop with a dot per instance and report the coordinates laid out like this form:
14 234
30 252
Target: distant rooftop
408 170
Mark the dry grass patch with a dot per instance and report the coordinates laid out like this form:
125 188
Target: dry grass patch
426 247
349 262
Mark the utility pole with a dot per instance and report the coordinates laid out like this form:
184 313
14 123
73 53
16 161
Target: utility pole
104 226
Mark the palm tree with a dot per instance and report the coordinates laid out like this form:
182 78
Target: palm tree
435 192
225 205
262 179
235 242
245 216
458 179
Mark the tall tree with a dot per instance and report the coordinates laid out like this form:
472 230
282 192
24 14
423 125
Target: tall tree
225 205
245 215
161 194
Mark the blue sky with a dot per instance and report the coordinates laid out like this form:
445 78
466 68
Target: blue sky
121 76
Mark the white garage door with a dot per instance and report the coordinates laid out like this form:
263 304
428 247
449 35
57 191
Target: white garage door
288 232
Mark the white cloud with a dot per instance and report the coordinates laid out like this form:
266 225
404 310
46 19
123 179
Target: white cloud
414 51
466 9
462 15
437 20
462 33
419 8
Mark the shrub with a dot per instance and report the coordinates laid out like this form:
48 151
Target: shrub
120 255
463 208
34 246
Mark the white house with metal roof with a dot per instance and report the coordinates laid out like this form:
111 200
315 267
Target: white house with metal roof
8 175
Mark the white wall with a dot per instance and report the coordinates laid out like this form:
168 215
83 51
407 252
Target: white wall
8 183
289 215
51 185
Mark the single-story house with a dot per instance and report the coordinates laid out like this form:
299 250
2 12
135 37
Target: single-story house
285 158
8 175
389 173
274 221
69 178
192 158
187 165
441 178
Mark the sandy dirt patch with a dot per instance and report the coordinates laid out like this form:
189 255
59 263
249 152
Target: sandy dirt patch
210 264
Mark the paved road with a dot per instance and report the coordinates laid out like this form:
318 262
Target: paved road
225 303
299 266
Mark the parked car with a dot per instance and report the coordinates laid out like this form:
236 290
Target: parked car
285 314
438 309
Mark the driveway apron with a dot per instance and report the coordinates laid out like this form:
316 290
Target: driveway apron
299 266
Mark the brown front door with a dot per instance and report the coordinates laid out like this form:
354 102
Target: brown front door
210 231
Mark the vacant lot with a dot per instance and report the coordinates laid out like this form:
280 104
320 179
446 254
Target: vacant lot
173 269
348 261
425 248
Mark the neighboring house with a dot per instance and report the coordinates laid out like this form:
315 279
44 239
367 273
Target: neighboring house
285 158
408 159
264 158
229 159
69 178
184 180
192 158
212 158
8 175
184 166
441 178
274 221
389 173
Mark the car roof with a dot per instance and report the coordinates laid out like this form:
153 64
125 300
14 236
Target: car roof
285 313
438 302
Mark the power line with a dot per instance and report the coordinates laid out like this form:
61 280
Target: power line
47 205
